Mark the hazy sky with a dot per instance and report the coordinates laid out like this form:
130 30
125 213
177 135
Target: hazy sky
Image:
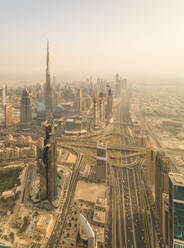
137 38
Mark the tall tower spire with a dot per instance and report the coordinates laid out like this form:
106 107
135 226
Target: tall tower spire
48 59
48 89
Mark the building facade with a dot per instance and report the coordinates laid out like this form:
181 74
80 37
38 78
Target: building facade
176 210
101 107
109 103
79 101
8 112
96 112
101 159
162 169
25 108
47 158
165 219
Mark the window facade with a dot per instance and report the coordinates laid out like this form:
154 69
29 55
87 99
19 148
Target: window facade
179 193
179 221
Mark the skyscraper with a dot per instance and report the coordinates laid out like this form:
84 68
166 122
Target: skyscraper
95 109
101 107
162 169
117 85
176 210
101 159
4 95
109 103
8 114
165 219
25 108
79 100
47 158
48 89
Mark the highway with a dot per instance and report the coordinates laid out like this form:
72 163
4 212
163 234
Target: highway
130 213
132 222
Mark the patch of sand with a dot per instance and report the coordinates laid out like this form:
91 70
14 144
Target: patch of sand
71 159
89 191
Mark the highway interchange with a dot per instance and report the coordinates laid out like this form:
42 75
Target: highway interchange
132 226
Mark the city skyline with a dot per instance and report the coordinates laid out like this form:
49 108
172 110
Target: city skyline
142 40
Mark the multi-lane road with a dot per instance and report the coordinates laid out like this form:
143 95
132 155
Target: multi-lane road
130 210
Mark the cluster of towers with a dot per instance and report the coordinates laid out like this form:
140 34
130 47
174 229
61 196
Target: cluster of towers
120 83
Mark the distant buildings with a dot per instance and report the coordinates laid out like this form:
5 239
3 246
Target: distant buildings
17 153
25 108
46 158
176 210
120 83
8 115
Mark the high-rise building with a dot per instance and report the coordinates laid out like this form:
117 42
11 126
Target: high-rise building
162 169
165 219
48 89
117 77
4 95
79 100
101 159
109 103
8 112
176 210
25 108
101 107
95 109
47 158
117 85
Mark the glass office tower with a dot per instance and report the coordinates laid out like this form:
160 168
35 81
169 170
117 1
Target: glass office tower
176 210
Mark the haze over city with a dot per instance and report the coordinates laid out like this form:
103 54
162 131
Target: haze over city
92 124
140 39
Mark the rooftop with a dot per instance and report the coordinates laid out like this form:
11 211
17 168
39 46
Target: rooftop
177 179
101 145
